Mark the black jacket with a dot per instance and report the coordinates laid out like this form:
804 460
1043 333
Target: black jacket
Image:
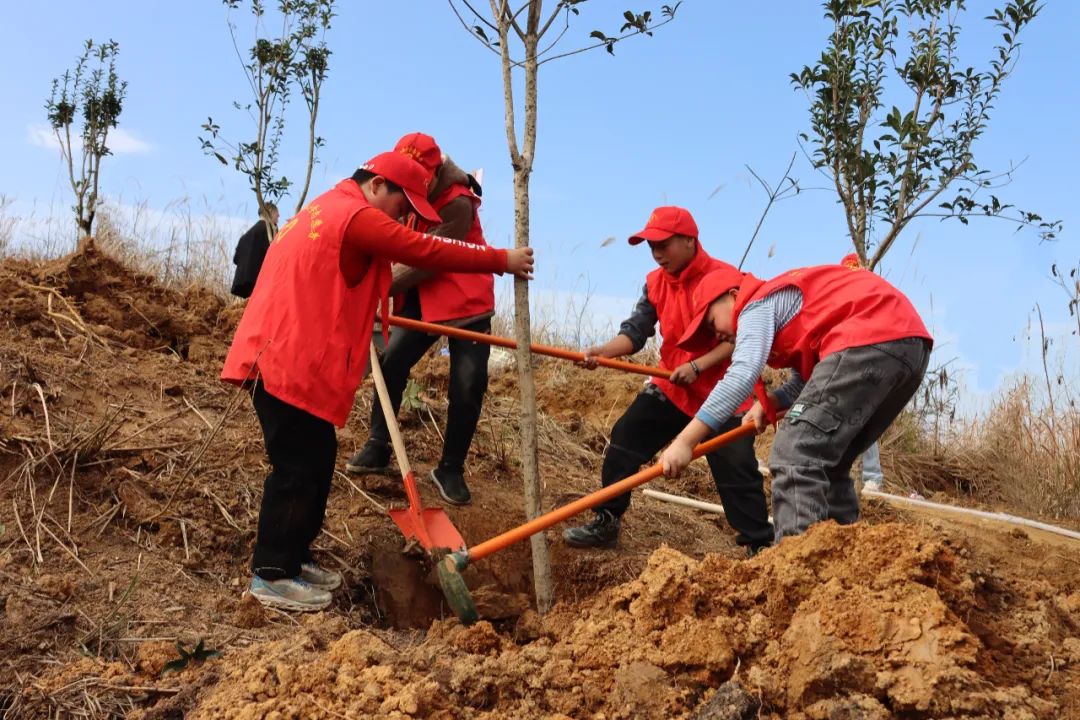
248 258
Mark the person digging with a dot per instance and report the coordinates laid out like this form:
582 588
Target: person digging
463 300
664 407
857 351
302 347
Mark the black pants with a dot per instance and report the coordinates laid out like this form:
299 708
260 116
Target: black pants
649 424
303 451
468 382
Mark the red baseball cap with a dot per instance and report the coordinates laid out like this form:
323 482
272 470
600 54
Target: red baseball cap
712 286
409 175
665 222
851 260
421 148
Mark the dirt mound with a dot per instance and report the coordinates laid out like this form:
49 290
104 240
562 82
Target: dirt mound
130 484
866 622
89 294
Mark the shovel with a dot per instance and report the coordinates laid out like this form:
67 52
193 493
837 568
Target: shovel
561 353
431 527
449 567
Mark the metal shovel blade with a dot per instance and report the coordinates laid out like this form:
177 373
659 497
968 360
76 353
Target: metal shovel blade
431 527
455 590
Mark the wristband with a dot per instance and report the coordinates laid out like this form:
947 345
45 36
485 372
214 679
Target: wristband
695 368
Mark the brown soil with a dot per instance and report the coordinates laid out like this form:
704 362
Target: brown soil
109 393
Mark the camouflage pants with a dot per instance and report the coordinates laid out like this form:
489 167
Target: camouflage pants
849 400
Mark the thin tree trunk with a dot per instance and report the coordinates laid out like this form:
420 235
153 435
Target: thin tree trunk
522 164
530 463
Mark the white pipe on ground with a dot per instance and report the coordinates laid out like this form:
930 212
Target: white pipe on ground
998 516
887 497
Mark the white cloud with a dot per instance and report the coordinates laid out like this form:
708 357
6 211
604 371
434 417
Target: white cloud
42 136
120 141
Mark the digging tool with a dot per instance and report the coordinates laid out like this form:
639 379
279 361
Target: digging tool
431 527
449 568
562 354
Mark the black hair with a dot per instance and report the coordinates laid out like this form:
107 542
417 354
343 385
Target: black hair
362 176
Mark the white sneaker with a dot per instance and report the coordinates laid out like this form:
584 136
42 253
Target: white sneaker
872 485
289 594
316 576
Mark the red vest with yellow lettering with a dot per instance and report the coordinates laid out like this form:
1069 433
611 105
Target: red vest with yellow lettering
307 326
453 296
842 308
672 297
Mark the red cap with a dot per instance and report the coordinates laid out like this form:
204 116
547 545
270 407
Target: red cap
712 286
421 148
409 175
851 260
665 222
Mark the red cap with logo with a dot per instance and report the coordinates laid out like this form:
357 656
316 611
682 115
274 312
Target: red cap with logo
665 222
407 174
712 286
421 148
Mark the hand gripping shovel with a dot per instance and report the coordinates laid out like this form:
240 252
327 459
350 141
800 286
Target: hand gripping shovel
449 568
561 353
431 527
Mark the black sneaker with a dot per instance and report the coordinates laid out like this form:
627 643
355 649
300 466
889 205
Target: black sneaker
752 550
373 458
603 531
452 487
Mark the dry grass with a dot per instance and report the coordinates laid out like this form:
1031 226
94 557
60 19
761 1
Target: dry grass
188 242
1020 456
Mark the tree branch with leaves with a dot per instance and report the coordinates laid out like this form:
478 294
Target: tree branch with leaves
93 94
294 58
890 166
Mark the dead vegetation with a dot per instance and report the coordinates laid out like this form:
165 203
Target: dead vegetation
111 407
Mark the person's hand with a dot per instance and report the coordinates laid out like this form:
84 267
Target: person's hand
519 261
683 375
757 416
592 355
676 457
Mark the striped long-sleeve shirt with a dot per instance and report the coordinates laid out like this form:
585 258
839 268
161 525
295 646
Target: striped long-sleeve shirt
757 327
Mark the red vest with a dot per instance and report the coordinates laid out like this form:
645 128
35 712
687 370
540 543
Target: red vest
307 327
672 298
453 296
842 308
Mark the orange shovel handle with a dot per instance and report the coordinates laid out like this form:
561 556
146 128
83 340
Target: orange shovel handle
537 348
556 516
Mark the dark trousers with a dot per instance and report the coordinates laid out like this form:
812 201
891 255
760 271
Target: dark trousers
649 424
468 382
303 451
849 400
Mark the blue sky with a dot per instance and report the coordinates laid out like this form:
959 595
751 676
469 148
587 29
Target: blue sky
668 120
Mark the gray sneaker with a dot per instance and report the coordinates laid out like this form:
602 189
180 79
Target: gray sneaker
318 577
289 594
603 531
